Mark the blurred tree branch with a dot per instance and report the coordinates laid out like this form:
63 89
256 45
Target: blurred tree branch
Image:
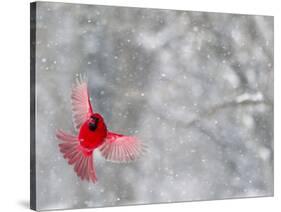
242 100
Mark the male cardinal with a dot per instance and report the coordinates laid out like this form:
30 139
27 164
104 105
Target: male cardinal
93 134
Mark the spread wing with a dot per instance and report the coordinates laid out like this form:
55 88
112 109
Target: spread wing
121 148
72 152
81 105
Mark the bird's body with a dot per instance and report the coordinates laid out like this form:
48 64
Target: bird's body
89 137
93 134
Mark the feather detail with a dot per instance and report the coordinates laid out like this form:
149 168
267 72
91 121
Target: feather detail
121 148
80 100
81 159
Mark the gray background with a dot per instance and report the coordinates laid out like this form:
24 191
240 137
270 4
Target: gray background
197 88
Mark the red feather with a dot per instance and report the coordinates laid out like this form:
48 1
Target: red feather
81 158
81 105
121 148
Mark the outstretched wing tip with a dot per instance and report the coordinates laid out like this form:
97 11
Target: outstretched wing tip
122 149
80 78
80 101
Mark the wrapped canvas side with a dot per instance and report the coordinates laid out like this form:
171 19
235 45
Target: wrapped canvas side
32 106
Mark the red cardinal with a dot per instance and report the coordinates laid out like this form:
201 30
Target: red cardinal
93 134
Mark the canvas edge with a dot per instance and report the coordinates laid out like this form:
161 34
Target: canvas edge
32 106
272 19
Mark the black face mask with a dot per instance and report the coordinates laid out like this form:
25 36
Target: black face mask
93 124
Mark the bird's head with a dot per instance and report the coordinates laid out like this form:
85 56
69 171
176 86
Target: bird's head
94 121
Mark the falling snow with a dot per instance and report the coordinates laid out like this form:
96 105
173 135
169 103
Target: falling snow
185 83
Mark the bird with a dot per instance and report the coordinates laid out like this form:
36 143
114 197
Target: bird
93 134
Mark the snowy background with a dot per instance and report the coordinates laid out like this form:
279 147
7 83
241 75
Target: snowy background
197 88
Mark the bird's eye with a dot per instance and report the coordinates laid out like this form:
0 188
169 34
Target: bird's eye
93 124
